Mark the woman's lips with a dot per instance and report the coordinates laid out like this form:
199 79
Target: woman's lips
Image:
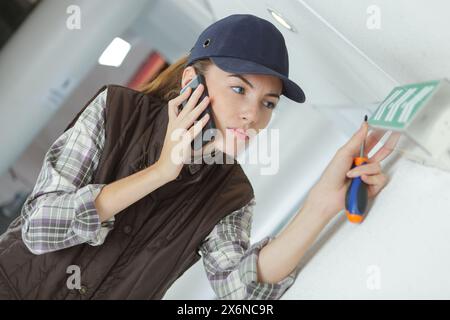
239 133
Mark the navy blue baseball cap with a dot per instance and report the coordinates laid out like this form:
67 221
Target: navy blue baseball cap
244 43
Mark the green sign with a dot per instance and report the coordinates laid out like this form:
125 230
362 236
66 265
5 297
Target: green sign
400 106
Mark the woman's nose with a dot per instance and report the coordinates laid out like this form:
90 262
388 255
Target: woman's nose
250 113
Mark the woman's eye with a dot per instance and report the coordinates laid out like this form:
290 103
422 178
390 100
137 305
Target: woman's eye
270 105
238 88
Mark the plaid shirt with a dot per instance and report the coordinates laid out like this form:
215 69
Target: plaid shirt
60 213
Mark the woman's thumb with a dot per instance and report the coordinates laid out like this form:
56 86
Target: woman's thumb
354 144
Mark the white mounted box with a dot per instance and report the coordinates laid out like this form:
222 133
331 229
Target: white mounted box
421 112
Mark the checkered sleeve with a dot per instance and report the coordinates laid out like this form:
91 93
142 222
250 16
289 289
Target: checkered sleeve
231 262
60 211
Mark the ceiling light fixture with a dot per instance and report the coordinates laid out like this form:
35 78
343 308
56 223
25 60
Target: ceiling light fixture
115 53
281 20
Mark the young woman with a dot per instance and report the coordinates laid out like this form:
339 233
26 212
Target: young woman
114 215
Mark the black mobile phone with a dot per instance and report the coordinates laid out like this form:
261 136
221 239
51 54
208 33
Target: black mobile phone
201 139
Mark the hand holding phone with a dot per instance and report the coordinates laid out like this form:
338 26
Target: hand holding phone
200 141
177 146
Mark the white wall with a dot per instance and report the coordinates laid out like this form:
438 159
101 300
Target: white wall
400 251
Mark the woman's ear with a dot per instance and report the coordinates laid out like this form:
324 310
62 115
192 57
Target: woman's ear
188 74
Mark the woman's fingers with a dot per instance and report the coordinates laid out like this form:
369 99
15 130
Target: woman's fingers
375 183
174 103
376 179
370 168
197 127
351 148
195 113
387 148
353 145
373 138
192 102
371 175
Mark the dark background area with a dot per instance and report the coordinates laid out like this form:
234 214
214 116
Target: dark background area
12 14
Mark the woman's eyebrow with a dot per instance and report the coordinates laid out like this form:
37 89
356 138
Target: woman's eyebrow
251 86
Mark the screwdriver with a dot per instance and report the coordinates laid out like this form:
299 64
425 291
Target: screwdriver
356 196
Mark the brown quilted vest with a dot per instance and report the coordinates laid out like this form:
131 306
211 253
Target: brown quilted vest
155 240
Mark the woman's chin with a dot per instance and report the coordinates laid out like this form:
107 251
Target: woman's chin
232 149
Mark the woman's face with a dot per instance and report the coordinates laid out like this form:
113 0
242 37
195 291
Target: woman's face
241 101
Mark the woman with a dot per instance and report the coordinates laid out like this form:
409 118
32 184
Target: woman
114 215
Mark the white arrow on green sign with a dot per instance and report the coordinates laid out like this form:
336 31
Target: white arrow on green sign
400 106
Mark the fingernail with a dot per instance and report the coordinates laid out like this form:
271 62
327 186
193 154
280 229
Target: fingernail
365 118
350 174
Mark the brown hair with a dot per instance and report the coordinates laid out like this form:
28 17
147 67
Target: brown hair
167 84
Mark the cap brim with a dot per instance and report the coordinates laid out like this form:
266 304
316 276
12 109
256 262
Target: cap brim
290 89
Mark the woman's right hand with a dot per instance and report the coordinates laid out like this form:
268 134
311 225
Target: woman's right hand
180 132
